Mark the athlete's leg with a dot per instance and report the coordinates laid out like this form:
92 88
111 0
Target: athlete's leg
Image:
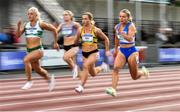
70 55
119 62
38 69
86 65
32 56
87 62
93 71
133 62
42 72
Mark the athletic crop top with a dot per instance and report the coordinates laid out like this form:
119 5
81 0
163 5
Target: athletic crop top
68 31
88 38
33 31
122 40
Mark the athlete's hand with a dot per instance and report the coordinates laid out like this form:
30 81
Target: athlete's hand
123 33
56 46
19 23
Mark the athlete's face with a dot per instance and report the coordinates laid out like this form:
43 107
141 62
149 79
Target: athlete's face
123 17
85 20
31 15
66 17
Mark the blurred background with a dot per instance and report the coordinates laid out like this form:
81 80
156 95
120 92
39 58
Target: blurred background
157 22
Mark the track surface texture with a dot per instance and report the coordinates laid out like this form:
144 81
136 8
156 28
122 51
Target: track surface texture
161 92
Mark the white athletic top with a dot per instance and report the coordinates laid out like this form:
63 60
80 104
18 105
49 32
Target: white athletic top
33 31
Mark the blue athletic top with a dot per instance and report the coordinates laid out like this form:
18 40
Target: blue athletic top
122 40
68 31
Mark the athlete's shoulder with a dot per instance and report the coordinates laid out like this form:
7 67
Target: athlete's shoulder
116 26
96 29
76 24
80 29
132 25
26 23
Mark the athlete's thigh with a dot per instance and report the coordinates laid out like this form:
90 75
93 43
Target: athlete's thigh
71 52
92 58
120 60
34 55
35 64
92 68
133 62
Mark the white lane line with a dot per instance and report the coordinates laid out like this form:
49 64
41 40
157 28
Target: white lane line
107 83
94 89
114 102
89 95
155 107
91 79
62 76
137 85
161 69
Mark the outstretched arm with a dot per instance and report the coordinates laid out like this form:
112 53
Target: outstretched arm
20 30
105 38
78 36
50 27
59 28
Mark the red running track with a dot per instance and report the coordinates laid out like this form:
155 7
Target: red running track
158 93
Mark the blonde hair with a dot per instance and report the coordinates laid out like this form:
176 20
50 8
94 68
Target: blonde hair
69 13
36 11
126 11
90 16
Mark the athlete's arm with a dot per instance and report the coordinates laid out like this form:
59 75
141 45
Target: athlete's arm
116 43
131 33
78 35
20 30
50 27
105 38
59 28
77 25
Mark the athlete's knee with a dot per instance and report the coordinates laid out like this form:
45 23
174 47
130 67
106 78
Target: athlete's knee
116 69
85 66
64 58
40 70
26 60
37 69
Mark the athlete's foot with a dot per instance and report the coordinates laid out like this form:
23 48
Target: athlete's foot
79 89
104 67
28 85
52 83
75 71
146 72
111 91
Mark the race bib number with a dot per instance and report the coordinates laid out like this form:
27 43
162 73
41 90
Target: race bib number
67 31
121 38
31 31
87 38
